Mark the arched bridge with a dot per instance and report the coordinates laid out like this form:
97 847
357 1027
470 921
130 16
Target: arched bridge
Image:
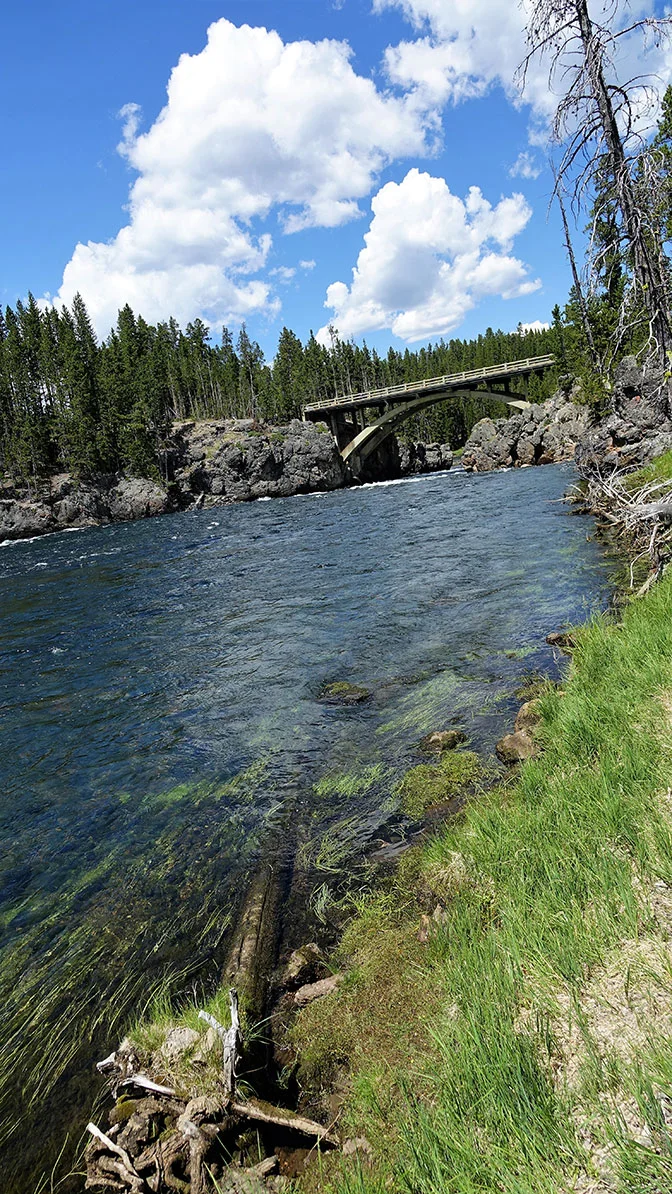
357 439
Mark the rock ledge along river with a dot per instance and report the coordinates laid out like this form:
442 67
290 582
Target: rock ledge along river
160 690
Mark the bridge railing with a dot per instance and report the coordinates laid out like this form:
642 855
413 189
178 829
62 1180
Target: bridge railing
510 369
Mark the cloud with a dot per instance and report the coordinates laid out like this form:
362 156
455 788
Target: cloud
525 166
131 114
538 325
465 47
308 265
429 257
252 128
284 272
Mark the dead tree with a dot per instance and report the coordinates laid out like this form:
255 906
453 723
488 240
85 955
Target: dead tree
599 119
578 287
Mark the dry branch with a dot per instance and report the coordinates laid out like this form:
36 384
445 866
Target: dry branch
265 1113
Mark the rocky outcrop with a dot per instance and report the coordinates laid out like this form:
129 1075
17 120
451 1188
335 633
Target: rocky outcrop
238 460
424 458
542 434
208 463
638 427
63 502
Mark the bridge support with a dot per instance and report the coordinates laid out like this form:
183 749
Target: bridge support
369 439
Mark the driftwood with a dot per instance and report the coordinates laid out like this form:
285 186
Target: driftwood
642 517
145 1083
279 1117
231 1041
134 1181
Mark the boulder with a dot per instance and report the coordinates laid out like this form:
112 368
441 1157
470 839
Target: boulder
528 718
303 966
562 639
542 434
24 519
318 990
178 1042
515 748
239 460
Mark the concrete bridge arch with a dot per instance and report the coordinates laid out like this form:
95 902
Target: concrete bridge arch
357 440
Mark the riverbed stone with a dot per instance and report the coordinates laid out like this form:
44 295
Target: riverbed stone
313 991
528 717
442 740
303 966
563 639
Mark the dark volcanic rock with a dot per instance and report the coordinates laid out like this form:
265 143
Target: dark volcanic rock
63 502
542 434
424 458
638 428
236 460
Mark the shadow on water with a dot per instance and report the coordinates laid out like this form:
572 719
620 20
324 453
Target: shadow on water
159 686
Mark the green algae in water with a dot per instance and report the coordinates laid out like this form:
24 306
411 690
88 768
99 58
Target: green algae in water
432 784
350 785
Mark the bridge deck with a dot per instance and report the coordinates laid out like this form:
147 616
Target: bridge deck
450 381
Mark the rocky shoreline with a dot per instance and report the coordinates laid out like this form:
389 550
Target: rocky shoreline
208 464
239 460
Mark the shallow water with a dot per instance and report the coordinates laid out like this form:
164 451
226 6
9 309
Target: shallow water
159 686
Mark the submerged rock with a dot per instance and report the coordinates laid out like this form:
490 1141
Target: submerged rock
442 740
303 967
341 692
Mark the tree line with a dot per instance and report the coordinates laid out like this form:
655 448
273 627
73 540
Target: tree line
69 403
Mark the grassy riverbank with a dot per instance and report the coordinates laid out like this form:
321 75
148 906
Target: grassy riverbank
526 1044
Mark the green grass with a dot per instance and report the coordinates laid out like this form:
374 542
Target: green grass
475 1057
660 469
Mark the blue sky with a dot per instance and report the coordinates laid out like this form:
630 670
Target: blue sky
273 160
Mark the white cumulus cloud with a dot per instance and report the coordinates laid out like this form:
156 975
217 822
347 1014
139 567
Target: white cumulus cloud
429 257
537 325
251 127
525 166
466 46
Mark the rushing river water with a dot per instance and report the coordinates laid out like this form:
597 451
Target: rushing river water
160 688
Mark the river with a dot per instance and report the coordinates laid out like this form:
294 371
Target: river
160 684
